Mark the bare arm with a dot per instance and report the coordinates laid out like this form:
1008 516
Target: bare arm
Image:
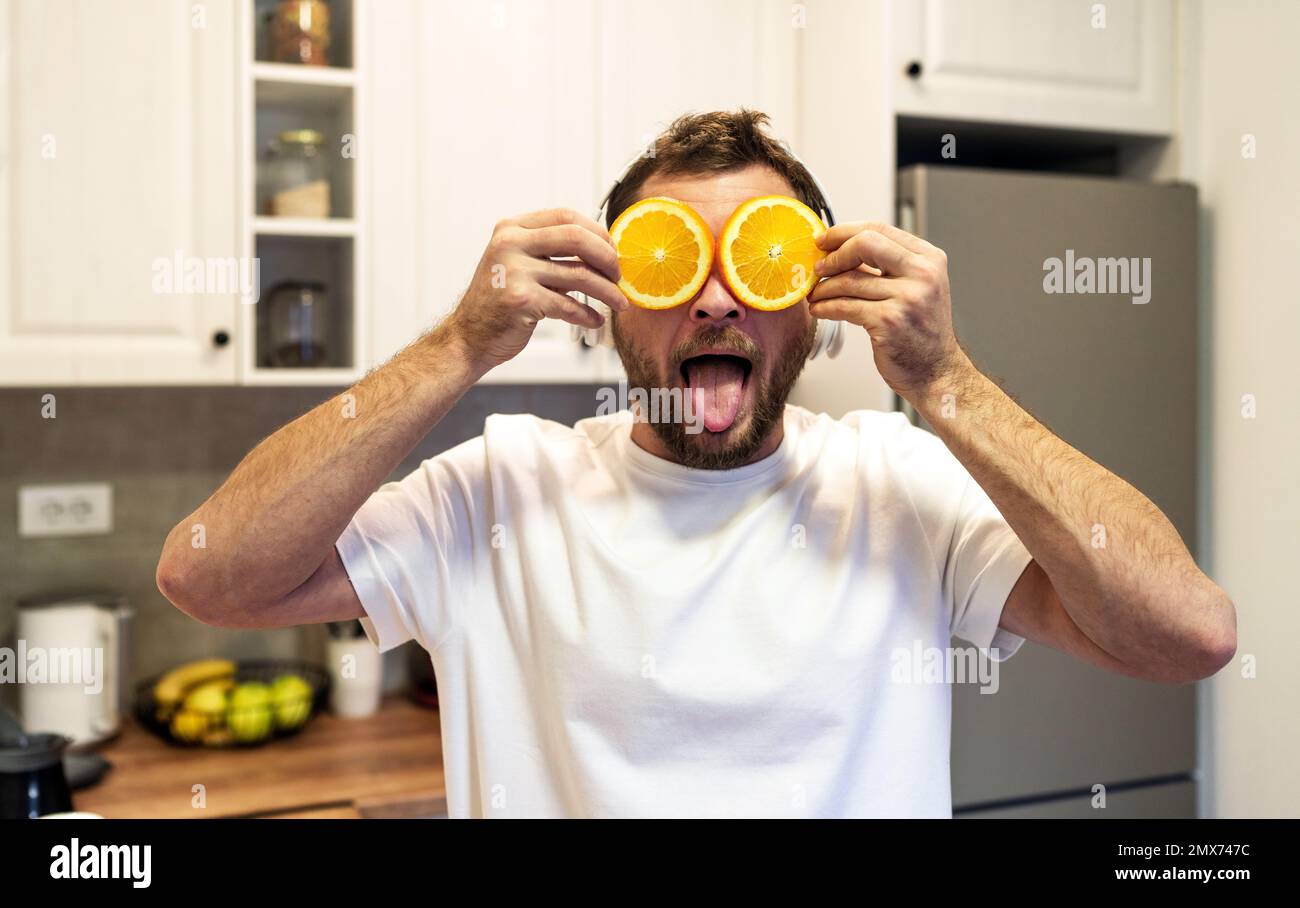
274 521
267 535
1137 604
1111 581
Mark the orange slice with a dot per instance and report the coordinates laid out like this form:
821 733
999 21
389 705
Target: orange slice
665 252
767 251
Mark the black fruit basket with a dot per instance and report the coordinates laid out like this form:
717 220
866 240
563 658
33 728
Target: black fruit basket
234 727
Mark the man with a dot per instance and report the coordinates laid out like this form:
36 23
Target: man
630 618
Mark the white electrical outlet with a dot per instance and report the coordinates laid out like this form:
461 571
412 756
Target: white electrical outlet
65 510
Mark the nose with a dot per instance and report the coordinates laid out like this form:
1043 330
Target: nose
715 303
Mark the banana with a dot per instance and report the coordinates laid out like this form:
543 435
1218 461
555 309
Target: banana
172 686
209 697
188 725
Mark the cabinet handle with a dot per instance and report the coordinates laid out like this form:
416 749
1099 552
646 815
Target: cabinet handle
220 338
914 69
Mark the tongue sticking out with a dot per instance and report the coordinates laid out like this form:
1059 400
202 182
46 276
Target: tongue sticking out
715 384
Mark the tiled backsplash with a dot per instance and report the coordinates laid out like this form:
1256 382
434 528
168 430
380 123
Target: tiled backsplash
163 451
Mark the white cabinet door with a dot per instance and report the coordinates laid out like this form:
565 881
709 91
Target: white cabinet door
846 135
663 59
478 112
401 292
1063 63
483 111
116 167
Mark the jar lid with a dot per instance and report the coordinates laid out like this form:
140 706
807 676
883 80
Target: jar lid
40 752
301 137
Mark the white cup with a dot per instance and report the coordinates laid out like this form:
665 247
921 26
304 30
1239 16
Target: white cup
356 676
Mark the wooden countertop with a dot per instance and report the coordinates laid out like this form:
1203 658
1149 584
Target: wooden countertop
385 765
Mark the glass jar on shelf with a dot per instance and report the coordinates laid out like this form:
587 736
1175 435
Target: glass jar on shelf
298 325
300 32
295 176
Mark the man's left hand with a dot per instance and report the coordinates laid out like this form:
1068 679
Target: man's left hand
895 285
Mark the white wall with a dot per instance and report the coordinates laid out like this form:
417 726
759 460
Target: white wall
1249 71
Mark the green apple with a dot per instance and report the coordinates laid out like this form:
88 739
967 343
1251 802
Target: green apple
249 716
291 698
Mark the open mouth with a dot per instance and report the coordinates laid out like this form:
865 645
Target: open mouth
716 383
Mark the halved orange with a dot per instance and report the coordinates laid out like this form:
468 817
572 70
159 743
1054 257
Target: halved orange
767 251
665 252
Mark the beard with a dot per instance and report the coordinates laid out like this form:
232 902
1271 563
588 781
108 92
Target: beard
736 445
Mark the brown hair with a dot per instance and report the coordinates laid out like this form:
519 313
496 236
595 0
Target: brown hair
714 142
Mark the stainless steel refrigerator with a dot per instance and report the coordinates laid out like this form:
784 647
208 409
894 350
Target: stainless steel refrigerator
1116 377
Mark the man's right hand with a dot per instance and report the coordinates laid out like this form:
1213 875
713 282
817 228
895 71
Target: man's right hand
530 263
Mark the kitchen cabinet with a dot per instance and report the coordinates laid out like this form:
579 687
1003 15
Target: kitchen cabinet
315 251
564 94
522 140
117 180
845 53
478 112
660 60
119 168
1060 63
107 191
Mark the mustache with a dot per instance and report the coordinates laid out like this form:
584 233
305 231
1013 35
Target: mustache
723 337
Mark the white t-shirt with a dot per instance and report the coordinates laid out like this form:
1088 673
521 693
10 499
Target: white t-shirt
616 635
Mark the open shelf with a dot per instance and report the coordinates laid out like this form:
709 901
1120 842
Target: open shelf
335 124
327 261
273 226
297 74
329 251
341 13
307 86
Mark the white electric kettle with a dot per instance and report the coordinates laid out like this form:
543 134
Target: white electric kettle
72 655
